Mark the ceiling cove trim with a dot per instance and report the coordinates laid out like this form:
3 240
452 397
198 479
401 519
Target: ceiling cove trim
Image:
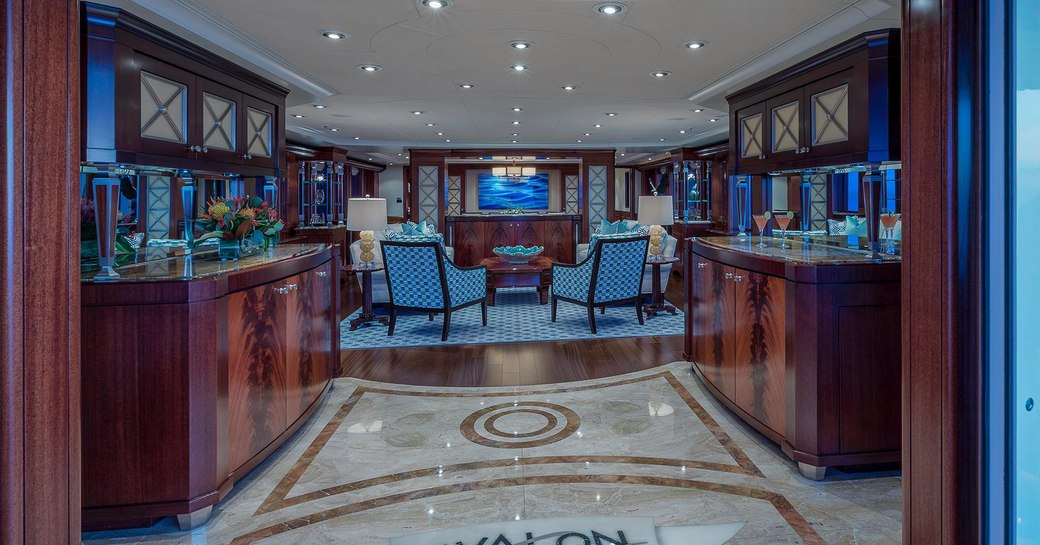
210 26
842 21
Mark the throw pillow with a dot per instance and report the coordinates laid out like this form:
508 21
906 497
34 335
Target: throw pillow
835 227
855 226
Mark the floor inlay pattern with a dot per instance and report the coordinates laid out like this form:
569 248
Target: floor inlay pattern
380 461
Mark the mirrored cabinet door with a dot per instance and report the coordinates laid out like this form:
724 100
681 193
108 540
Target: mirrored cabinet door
164 109
218 119
259 132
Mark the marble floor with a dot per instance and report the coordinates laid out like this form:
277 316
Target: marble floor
380 461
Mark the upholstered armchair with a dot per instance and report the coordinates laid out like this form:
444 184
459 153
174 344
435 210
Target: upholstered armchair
612 274
379 292
670 244
420 278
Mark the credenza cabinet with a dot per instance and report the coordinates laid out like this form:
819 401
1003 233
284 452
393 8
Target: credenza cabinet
188 383
839 107
808 353
474 237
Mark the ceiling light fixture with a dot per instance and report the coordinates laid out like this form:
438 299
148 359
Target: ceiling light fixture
521 44
440 134
660 74
319 106
515 134
698 110
682 131
610 8
569 87
335 35
334 129
436 4
357 138
713 120
417 112
466 85
695 44
369 67
517 109
513 170
514 141
579 141
516 122
299 116
611 114
431 124
519 67
662 139
447 140
597 125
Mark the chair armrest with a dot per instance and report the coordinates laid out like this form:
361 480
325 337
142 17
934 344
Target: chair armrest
465 284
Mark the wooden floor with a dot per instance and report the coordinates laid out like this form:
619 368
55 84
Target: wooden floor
510 364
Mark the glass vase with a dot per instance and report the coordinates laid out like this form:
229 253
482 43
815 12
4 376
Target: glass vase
229 250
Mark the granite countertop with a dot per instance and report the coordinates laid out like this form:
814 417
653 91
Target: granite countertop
819 252
171 264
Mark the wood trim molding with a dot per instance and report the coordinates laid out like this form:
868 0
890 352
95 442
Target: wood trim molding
942 309
39 276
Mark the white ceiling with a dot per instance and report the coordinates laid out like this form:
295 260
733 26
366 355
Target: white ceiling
426 53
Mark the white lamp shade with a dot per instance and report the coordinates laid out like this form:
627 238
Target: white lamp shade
366 214
655 210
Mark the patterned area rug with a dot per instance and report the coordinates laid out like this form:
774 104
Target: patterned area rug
516 317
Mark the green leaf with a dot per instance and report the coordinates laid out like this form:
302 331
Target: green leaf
255 202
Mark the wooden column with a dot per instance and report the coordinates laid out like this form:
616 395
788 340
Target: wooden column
39 272
942 313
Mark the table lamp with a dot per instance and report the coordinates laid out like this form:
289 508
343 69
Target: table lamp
655 211
366 215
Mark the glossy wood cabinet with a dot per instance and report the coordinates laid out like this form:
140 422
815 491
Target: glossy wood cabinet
152 98
836 108
474 237
189 384
806 353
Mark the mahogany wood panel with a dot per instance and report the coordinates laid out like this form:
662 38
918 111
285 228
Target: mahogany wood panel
39 274
474 237
558 239
942 70
867 335
759 352
721 349
257 353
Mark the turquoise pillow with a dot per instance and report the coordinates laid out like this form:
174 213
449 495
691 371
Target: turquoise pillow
421 228
618 227
855 226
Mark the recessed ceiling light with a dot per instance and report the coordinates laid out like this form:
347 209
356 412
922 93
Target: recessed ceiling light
682 131
610 8
660 73
334 129
622 154
431 124
588 134
569 87
597 125
515 134
319 106
516 122
611 114
713 120
579 141
357 138
695 44
335 35
698 110
514 141
662 139
398 154
519 67
447 139
299 116
436 4
520 44
440 134
369 67
418 112
517 109
466 85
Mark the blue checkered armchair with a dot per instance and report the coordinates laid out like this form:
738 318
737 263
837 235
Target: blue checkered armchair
421 278
612 274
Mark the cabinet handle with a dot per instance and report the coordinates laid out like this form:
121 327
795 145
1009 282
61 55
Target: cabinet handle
204 149
738 278
729 276
701 265
322 274
247 156
282 291
193 148
292 287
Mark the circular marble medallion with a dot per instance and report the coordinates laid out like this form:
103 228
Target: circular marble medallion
523 424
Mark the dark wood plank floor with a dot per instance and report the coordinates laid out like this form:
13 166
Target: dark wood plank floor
510 364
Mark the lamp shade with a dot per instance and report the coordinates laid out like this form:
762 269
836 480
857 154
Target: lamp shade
366 214
655 210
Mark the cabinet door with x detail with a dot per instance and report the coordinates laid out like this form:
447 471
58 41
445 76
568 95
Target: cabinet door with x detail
165 109
835 108
784 135
218 130
752 143
259 132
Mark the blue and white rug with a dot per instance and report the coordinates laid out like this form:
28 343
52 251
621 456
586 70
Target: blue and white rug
516 317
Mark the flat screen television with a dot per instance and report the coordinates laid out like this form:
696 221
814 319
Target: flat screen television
504 192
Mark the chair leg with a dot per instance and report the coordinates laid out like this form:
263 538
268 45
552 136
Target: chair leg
393 321
554 308
592 318
603 309
639 311
431 317
483 312
447 324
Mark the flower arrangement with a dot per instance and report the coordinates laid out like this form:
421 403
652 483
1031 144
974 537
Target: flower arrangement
240 219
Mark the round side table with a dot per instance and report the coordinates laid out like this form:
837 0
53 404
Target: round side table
367 314
657 303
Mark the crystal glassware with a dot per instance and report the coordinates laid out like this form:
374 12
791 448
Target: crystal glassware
762 221
889 220
783 221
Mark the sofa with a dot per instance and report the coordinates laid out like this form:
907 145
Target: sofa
380 293
670 243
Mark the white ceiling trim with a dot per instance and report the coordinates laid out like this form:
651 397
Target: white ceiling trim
212 27
835 25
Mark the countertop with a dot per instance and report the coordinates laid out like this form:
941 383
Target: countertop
172 264
819 252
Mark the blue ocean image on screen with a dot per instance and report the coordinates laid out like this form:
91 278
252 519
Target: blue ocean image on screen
501 192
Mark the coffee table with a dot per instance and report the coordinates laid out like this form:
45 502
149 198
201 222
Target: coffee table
536 273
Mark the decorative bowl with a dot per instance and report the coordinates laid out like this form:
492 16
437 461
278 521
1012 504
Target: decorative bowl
517 254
